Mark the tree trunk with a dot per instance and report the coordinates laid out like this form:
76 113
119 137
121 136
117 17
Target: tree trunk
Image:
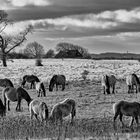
4 59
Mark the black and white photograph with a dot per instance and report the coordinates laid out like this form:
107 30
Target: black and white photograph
69 69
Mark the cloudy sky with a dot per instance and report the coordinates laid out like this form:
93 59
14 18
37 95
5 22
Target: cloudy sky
98 25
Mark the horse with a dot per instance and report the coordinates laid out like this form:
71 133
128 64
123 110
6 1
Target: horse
38 108
30 79
2 109
15 95
63 109
108 82
128 109
131 81
6 83
57 80
40 89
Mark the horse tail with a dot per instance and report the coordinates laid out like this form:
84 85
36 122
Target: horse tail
43 89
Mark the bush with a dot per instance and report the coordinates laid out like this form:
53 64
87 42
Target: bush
84 74
38 62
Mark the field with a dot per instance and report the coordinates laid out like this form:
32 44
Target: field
94 110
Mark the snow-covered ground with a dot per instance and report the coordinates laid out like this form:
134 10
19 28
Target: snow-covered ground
71 68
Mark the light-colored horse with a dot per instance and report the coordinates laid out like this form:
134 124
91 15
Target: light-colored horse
63 109
39 86
15 95
38 108
108 82
128 109
131 81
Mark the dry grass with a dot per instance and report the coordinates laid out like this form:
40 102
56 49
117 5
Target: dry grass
93 119
94 109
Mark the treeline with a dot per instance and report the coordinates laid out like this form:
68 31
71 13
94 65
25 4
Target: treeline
67 50
62 50
119 56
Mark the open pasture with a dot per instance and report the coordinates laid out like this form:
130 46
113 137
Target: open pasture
94 114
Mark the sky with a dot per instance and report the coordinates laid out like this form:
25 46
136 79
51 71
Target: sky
97 25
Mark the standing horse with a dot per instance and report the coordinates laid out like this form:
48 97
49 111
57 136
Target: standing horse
2 109
63 109
57 80
38 108
30 79
128 109
40 89
131 81
6 83
108 82
15 95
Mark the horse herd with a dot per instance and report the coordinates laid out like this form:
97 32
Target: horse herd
68 106
37 108
121 108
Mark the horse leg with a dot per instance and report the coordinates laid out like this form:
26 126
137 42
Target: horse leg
5 101
36 117
63 87
8 105
31 86
136 89
56 87
18 105
121 115
73 114
131 123
137 121
104 89
113 89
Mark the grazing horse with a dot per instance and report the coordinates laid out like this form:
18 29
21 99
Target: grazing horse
131 81
40 89
6 83
57 80
107 82
2 109
63 109
13 94
38 108
128 109
30 79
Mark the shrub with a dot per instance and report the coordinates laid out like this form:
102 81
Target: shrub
38 62
84 74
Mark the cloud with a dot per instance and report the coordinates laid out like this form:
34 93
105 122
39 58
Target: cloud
21 3
117 21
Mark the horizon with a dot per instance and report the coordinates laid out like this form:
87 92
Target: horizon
95 25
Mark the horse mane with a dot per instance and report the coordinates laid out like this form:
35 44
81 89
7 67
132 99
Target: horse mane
24 93
53 79
136 78
8 81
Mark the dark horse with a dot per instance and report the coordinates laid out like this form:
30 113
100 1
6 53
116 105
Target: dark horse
131 81
13 94
108 82
30 79
2 109
6 83
131 109
57 80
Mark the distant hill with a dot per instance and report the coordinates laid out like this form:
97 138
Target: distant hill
123 56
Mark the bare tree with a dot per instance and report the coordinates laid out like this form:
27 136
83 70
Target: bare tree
8 43
11 42
34 50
